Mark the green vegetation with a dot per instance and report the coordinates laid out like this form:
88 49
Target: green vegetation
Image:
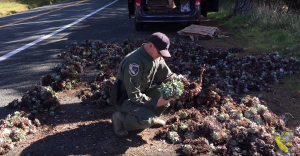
8 7
264 30
225 10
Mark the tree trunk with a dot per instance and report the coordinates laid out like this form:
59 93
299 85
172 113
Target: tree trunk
242 7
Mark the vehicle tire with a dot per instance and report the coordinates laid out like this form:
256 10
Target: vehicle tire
138 26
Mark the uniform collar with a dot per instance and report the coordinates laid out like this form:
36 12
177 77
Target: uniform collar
145 53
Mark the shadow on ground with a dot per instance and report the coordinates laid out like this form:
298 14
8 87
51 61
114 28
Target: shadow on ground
76 129
94 139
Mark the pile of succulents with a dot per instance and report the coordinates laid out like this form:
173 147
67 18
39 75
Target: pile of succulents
66 76
38 99
207 122
232 74
223 126
14 128
106 57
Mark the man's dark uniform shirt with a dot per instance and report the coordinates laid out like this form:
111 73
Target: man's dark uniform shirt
137 72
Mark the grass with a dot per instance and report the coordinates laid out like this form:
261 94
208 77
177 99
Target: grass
8 7
262 29
265 31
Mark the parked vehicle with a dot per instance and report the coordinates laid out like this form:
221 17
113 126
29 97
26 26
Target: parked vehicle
147 11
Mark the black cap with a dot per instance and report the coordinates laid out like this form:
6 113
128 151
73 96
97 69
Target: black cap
161 43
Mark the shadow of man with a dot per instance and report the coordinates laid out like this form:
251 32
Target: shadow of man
94 139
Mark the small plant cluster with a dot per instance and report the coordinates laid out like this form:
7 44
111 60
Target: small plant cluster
98 93
13 129
39 99
171 89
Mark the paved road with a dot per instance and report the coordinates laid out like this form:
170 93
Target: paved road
23 70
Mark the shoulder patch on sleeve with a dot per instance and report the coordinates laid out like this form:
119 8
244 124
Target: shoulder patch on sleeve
133 69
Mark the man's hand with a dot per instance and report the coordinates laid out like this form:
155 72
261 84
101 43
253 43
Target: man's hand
182 77
161 101
198 90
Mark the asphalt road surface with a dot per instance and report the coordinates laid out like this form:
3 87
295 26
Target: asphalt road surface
20 72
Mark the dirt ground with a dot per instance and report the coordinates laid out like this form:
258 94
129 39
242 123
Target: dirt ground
78 129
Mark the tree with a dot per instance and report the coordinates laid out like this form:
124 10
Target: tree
242 6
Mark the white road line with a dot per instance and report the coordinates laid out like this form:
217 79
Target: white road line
51 34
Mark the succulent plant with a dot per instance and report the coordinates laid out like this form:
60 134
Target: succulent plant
252 130
37 122
14 104
267 115
174 127
183 115
239 115
47 93
186 148
297 131
247 114
216 135
223 117
68 85
258 119
214 111
233 113
231 124
52 113
261 108
13 129
183 126
210 123
173 136
189 135
253 111
228 105
55 76
171 89
17 134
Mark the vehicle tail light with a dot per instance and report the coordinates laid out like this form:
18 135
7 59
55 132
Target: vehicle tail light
197 2
138 3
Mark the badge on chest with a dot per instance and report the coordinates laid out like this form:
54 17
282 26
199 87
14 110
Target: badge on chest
133 69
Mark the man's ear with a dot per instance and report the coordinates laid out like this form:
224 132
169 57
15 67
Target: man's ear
151 45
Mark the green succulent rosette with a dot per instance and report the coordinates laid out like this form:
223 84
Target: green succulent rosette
171 89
